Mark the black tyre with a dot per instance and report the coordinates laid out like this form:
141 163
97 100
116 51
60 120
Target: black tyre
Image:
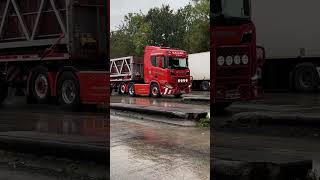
306 78
40 86
122 89
131 90
177 95
205 86
155 91
3 92
69 91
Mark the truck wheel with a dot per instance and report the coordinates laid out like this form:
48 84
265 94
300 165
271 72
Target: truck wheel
3 93
205 86
122 88
40 86
155 90
131 89
69 91
306 78
177 95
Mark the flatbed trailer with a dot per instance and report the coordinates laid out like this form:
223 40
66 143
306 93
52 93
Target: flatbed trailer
55 50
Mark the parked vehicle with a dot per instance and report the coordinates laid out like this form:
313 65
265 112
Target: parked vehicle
162 71
55 50
199 65
289 31
235 57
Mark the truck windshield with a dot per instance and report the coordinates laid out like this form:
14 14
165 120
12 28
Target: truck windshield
178 63
230 11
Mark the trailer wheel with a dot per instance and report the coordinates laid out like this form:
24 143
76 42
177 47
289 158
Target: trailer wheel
3 92
205 86
306 78
155 90
69 91
131 90
122 88
40 86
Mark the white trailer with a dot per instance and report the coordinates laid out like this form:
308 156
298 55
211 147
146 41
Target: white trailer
289 32
199 65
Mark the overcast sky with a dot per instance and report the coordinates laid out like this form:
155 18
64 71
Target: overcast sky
120 8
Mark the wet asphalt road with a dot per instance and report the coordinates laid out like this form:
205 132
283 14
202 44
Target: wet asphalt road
142 149
51 125
149 150
255 141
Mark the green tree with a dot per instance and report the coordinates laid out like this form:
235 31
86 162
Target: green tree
186 28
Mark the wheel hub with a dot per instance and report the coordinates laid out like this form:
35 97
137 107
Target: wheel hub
131 89
41 86
155 91
68 92
123 88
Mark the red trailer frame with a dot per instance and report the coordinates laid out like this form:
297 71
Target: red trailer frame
55 49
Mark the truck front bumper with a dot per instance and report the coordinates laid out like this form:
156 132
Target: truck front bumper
176 90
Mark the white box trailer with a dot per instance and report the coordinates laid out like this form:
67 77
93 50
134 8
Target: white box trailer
289 30
199 65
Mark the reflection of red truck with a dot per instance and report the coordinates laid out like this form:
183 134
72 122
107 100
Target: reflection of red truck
162 71
54 48
235 56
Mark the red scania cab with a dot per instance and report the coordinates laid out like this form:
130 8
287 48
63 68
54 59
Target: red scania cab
236 59
162 71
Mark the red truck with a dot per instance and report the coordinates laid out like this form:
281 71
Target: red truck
236 59
55 50
162 71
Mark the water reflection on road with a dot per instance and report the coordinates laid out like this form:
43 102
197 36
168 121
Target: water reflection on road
156 151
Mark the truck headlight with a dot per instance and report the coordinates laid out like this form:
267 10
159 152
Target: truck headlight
245 59
229 60
220 60
237 60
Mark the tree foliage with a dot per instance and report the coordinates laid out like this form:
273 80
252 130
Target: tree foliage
186 28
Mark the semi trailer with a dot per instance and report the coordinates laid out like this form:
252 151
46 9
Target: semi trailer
236 58
55 50
199 65
162 71
289 31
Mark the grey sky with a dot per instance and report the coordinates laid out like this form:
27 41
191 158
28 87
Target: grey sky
119 8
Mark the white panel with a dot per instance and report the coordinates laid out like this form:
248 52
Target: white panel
199 65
